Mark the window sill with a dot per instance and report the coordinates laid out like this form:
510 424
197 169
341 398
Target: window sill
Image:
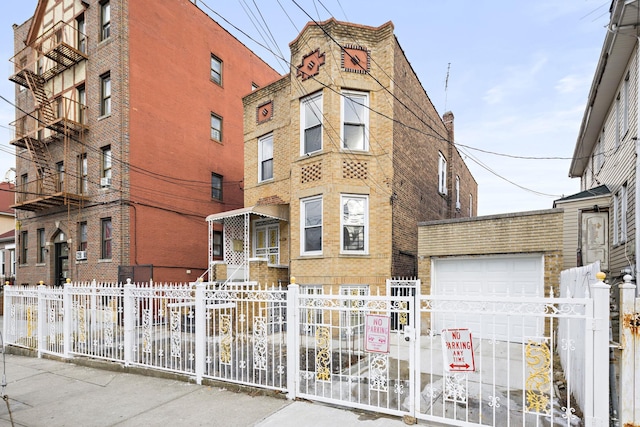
215 82
84 261
215 140
265 181
353 255
104 260
106 116
104 42
314 154
311 256
41 264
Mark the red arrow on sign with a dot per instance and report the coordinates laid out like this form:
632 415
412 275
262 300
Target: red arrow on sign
466 366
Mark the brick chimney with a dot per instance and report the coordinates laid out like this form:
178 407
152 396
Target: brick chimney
447 118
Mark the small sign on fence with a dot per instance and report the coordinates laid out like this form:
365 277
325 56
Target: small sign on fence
377 331
457 348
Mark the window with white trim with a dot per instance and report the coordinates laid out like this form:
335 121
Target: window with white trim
352 319
625 104
355 120
105 20
442 174
266 241
620 215
265 158
457 192
216 70
354 224
310 317
311 124
311 226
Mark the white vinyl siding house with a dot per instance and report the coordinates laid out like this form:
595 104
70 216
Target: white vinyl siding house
606 147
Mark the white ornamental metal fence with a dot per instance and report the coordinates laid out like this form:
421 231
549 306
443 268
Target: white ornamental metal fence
496 361
449 359
348 354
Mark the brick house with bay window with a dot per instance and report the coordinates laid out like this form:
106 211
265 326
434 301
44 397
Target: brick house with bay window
343 157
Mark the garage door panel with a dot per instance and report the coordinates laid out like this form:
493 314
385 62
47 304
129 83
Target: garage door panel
499 276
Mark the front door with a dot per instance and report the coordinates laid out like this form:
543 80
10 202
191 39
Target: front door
61 263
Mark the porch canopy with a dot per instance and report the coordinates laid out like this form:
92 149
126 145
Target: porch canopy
280 212
235 236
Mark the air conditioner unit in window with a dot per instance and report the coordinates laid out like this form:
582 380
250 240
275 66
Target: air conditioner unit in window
81 255
105 182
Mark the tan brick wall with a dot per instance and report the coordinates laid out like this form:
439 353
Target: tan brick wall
537 232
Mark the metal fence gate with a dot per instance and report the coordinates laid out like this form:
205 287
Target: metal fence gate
333 364
513 372
534 361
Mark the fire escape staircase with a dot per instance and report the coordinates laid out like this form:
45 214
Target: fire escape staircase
53 119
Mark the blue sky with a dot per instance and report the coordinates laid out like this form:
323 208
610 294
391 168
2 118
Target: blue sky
519 76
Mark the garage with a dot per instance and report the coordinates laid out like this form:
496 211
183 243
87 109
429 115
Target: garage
489 276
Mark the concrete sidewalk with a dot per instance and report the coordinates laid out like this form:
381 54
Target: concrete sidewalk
46 392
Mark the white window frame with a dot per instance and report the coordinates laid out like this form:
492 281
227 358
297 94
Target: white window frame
315 109
620 215
442 173
270 253
364 120
264 155
303 225
353 318
458 192
311 317
344 223
625 104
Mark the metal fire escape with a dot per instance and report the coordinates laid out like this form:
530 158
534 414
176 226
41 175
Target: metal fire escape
55 117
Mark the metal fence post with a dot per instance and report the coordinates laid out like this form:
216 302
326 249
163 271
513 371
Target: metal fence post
629 376
67 318
42 319
201 330
600 372
7 294
293 331
129 322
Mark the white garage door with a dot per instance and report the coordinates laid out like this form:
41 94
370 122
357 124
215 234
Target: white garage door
495 276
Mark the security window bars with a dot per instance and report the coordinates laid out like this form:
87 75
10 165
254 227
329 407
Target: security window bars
311 123
355 119
265 158
216 70
106 238
266 240
311 217
216 127
354 220
216 186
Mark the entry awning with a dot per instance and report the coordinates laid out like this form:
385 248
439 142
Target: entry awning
280 212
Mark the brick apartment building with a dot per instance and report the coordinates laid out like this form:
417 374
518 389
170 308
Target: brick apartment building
128 132
343 157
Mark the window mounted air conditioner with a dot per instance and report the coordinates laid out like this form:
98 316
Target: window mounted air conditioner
105 182
81 255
